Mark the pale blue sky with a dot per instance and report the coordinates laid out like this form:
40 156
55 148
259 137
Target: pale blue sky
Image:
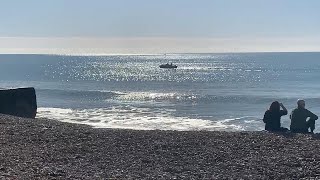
160 22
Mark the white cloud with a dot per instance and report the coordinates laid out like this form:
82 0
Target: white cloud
152 45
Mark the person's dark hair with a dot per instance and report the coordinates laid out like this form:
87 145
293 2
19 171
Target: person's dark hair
275 106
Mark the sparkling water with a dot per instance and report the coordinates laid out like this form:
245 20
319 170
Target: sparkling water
205 92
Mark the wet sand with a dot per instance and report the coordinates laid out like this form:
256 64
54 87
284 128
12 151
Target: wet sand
48 149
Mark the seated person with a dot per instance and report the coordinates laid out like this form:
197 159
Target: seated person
273 115
299 123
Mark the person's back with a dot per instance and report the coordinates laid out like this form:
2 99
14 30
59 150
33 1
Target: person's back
299 117
273 115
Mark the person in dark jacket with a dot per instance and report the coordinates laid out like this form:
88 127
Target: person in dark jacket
299 122
273 115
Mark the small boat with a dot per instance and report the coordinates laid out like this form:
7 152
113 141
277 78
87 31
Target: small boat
169 66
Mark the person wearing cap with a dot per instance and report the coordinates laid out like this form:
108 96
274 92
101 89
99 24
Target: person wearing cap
299 122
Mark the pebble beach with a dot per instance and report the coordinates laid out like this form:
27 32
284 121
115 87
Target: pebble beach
49 149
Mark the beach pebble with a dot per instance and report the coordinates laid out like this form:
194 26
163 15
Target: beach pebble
48 149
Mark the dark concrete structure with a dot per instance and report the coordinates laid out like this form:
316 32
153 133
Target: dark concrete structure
18 102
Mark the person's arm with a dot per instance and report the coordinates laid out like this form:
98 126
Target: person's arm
311 115
266 117
285 111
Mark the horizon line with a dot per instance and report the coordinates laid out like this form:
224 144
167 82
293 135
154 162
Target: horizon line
156 54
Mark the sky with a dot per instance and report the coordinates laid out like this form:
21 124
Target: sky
158 26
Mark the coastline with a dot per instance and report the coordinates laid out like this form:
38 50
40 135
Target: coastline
48 149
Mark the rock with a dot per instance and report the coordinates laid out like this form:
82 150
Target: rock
18 102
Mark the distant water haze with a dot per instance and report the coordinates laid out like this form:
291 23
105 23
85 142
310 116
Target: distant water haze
154 45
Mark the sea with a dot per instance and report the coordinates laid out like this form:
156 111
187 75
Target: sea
213 92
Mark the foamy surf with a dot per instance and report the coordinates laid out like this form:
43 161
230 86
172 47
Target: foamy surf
139 119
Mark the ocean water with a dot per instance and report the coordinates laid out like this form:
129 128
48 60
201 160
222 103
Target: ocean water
206 92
